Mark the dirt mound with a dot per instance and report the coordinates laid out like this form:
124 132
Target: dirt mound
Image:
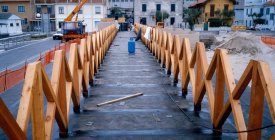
241 42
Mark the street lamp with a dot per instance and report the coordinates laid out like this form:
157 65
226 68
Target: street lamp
38 15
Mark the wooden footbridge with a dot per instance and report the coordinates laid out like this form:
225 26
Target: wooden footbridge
184 97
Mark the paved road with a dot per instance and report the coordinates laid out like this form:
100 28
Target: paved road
17 55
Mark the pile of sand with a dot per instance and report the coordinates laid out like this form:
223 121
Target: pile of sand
241 42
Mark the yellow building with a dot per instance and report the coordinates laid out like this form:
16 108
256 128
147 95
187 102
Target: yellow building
209 8
20 8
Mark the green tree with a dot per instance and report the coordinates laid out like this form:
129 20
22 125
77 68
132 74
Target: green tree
257 19
191 16
224 17
161 16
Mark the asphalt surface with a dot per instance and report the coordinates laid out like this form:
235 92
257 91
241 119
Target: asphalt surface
21 54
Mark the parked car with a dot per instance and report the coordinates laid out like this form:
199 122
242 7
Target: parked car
58 35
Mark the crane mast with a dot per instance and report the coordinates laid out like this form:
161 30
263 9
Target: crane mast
75 11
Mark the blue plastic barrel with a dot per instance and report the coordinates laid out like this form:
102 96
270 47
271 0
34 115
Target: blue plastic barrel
131 45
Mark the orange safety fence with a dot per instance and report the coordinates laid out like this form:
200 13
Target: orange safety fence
10 78
268 40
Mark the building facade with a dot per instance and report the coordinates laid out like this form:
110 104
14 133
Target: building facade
269 14
209 8
125 6
10 24
21 8
239 12
250 7
90 13
145 11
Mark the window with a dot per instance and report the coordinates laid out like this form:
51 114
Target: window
50 10
80 11
96 24
5 8
122 0
158 7
226 8
114 0
250 11
109 0
61 10
24 21
60 24
38 9
11 24
97 10
212 10
272 16
131 0
262 11
172 20
143 21
144 7
267 11
173 7
126 0
21 9
117 0
246 11
17 24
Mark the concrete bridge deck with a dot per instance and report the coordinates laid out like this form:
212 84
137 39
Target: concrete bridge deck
155 115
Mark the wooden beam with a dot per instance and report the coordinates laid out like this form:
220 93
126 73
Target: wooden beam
256 107
25 106
9 124
119 99
268 86
37 112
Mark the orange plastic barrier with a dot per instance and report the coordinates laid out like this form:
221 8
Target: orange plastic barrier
10 78
2 81
13 77
268 40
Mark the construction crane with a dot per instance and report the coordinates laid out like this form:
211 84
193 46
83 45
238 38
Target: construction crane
73 29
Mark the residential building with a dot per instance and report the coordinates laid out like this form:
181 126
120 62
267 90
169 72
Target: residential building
209 8
10 24
125 6
239 12
44 15
90 13
145 11
269 14
20 8
250 7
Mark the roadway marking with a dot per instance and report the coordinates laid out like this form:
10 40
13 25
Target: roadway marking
38 41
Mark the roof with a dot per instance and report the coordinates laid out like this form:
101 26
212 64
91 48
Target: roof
270 3
5 15
202 2
8 16
198 3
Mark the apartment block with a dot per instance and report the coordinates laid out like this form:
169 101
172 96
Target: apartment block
145 11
